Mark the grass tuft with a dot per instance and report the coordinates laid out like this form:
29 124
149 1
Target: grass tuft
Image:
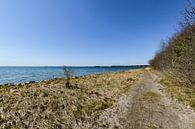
150 96
181 93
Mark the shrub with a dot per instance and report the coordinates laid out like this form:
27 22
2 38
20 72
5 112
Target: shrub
177 55
68 73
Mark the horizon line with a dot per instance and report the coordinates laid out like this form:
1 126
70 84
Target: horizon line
69 65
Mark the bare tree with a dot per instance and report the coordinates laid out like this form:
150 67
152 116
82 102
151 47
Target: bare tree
189 14
68 73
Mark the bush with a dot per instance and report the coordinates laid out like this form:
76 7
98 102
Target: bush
68 73
177 56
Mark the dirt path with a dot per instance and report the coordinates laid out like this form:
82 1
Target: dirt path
148 107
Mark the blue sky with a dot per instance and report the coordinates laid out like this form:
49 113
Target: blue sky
84 32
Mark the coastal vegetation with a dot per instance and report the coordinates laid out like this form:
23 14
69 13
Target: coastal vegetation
50 104
106 97
183 94
68 74
176 60
177 55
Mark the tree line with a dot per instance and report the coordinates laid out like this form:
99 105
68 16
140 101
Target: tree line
177 55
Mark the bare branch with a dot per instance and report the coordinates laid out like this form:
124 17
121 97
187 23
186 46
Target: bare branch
68 73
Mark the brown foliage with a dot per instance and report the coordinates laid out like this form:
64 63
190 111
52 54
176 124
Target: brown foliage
177 56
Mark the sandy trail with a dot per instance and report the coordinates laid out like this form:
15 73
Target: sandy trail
147 107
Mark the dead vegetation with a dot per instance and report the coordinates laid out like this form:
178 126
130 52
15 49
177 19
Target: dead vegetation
150 97
177 55
49 104
149 107
183 94
68 74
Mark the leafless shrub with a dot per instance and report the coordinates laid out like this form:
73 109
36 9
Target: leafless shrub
177 55
68 73
188 18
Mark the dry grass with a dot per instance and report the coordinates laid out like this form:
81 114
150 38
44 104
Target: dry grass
150 97
183 94
51 105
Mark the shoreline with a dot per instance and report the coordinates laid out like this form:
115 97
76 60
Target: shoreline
53 104
16 75
91 101
33 81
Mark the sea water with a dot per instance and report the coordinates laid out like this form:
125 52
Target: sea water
25 74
